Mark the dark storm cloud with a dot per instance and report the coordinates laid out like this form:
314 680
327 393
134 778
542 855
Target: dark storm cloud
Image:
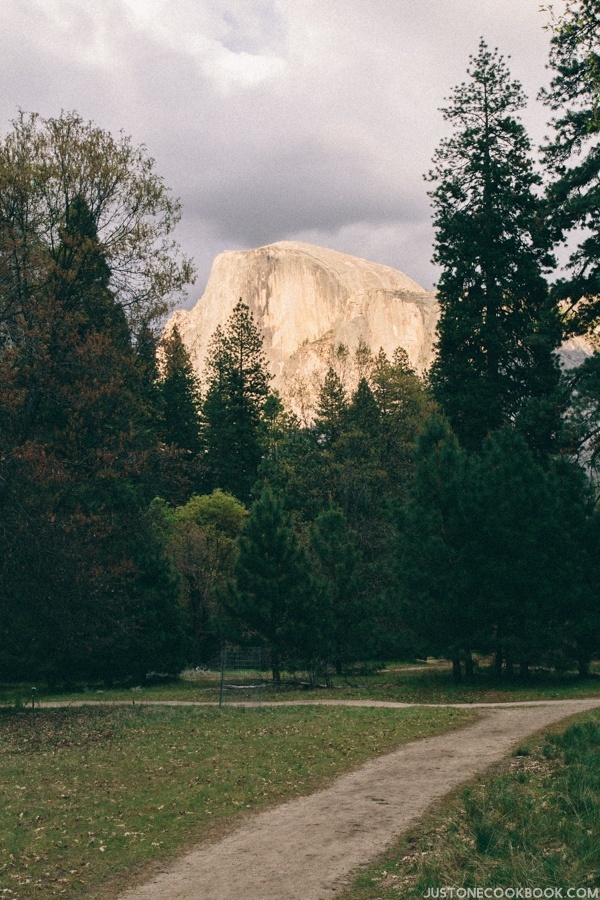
272 119
308 187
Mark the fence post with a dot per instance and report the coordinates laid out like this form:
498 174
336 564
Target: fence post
223 653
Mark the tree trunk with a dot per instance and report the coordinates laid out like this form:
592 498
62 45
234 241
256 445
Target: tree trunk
469 665
276 668
524 668
456 670
498 658
583 665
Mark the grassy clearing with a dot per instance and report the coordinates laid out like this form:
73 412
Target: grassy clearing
395 683
533 824
94 796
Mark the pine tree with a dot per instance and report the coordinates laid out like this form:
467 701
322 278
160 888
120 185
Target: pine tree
343 612
363 412
572 569
84 584
331 407
236 393
512 539
573 155
498 328
494 553
405 406
273 599
180 395
146 351
442 604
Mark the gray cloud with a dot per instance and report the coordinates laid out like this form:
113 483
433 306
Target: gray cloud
273 119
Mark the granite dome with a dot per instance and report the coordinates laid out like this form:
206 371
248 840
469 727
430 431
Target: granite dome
307 300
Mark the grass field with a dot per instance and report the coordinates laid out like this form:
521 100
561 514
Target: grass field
534 824
396 682
92 797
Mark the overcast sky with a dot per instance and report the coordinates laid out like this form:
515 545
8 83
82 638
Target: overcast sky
273 120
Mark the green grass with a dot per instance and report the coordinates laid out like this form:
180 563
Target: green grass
533 824
393 683
93 797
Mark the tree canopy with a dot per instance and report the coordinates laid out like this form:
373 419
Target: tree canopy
498 326
237 388
46 166
86 587
572 156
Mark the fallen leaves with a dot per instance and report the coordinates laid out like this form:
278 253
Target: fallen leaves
107 789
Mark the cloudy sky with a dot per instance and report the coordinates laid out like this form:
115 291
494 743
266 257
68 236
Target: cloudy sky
273 119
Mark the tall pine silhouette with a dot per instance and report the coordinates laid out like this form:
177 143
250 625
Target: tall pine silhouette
498 327
237 389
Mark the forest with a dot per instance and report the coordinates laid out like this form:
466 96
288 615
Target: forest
148 516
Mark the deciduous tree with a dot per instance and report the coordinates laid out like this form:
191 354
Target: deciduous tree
200 538
47 165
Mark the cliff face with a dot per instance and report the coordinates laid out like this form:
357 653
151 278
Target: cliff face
307 301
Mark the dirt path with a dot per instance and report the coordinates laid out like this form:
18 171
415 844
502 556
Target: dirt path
306 849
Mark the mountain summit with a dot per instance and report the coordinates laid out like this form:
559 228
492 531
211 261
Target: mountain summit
307 301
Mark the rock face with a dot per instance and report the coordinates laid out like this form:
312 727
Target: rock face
308 301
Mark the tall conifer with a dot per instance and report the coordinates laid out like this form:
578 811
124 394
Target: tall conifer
181 395
86 591
498 327
237 389
573 155
272 601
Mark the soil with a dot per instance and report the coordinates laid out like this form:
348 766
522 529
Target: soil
307 849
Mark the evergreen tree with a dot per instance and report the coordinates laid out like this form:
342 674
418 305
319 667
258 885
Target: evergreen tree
237 390
76 559
331 407
495 554
441 599
498 328
363 411
358 475
572 567
273 597
180 395
343 612
146 351
359 457
573 155
582 417
405 407
512 540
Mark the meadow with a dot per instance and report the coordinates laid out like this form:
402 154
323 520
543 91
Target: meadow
94 798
